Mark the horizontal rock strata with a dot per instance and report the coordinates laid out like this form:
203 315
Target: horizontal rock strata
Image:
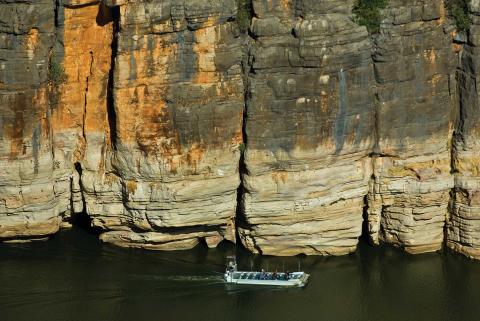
168 126
309 129
178 104
30 202
409 196
464 223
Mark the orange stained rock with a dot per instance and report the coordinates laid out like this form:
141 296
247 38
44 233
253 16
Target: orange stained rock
31 42
457 47
195 154
131 186
430 55
237 139
436 79
145 64
204 48
286 5
279 177
144 119
82 106
443 15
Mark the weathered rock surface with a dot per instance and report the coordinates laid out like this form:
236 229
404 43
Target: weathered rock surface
310 121
414 69
464 223
165 110
30 203
51 120
178 100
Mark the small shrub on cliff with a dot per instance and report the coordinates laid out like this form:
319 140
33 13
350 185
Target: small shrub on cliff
241 148
56 73
244 14
458 9
367 13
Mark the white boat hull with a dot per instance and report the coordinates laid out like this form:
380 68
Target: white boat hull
295 279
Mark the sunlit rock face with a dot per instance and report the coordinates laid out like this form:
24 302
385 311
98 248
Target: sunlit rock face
178 104
309 129
169 127
464 224
49 119
80 124
414 69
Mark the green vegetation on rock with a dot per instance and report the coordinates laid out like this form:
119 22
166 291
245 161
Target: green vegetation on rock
367 13
242 148
458 9
56 73
244 14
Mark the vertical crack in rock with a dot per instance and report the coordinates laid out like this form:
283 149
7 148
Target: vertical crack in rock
341 121
56 8
85 106
112 116
240 220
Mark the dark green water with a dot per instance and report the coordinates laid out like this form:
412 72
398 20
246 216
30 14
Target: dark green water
75 277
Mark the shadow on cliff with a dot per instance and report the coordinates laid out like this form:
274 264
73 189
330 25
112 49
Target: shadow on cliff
105 15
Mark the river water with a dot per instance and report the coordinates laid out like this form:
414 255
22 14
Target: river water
74 276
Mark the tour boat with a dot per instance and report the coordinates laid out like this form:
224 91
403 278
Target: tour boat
293 279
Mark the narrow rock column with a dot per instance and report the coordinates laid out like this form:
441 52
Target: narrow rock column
414 69
464 224
79 116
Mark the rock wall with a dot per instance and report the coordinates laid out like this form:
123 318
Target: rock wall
415 75
178 104
309 129
54 93
168 126
464 224
30 202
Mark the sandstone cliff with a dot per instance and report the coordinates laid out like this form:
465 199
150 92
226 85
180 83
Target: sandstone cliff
168 126
309 129
415 75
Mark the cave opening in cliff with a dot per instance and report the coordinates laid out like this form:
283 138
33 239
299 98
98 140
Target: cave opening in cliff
82 219
364 237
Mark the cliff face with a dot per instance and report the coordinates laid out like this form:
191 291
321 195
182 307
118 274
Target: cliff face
464 224
168 126
415 74
178 104
31 197
309 129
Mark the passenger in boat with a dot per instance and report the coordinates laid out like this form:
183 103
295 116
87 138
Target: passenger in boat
287 275
274 275
263 275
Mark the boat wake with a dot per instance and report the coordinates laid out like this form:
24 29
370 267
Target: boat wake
183 278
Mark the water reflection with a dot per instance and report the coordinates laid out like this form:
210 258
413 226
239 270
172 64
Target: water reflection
75 277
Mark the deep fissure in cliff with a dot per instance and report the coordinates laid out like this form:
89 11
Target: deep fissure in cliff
85 106
112 116
240 219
